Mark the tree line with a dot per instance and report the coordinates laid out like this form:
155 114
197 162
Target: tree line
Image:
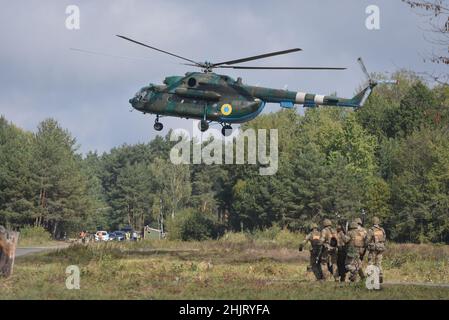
390 159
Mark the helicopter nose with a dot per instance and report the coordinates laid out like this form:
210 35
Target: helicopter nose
134 102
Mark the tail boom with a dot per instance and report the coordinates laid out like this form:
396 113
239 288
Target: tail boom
287 99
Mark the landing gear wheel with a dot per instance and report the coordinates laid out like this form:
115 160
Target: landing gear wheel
158 126
226 131
204 125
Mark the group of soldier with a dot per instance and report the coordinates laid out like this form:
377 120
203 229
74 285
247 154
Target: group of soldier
337 252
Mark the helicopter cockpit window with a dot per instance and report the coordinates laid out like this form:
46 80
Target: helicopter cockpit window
141 94
191 82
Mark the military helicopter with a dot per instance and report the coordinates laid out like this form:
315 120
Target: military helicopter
212 97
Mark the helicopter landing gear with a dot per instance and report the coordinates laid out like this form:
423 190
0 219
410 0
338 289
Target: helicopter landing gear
157 125
226 131
203 125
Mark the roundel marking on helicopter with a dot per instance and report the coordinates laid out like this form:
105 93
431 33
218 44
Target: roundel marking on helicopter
226 109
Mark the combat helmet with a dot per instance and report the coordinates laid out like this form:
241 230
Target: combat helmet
353 225
313 226
376 220
327 223
358 221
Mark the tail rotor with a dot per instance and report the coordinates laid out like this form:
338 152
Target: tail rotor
372 83
363 96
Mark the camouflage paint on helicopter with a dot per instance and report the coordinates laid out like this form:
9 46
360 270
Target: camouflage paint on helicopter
220 98
213 97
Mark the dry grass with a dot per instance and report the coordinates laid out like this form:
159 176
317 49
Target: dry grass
234 268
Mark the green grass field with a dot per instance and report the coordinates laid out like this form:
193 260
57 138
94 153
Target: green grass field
234 268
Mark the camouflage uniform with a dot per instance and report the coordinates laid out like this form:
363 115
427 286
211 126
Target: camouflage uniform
353 239
376 245
341 253
316 242
362 245
329 256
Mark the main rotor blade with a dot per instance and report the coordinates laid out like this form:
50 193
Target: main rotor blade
107 54
262 56
280 68
166 52
362 65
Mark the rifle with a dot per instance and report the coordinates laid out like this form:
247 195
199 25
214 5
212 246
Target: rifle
343 223
363 217
320 255
363 223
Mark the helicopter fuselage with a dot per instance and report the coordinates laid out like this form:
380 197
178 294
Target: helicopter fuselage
207 96
214 97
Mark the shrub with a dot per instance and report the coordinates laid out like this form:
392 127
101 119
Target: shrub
278 236
235 237
34 235
289 239
192 225
268 233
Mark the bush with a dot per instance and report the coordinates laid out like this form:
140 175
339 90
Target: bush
275 234
192 225
34 235
235 238
267 234
286 238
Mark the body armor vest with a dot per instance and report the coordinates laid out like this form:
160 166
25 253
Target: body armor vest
379 235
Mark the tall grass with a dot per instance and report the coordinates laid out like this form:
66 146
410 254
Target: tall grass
237 266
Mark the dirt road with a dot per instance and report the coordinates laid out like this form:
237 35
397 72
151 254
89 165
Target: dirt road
22 251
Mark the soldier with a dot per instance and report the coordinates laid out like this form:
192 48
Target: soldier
376 245
314 237
361 246
352 262
329 254
341 253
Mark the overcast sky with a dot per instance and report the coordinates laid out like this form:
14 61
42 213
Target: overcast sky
88 94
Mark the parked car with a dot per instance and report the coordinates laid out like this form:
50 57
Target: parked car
112 236
101 236
120 235
128 229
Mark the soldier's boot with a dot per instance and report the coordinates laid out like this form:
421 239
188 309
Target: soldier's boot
342 272
320 276
316 272
353 277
